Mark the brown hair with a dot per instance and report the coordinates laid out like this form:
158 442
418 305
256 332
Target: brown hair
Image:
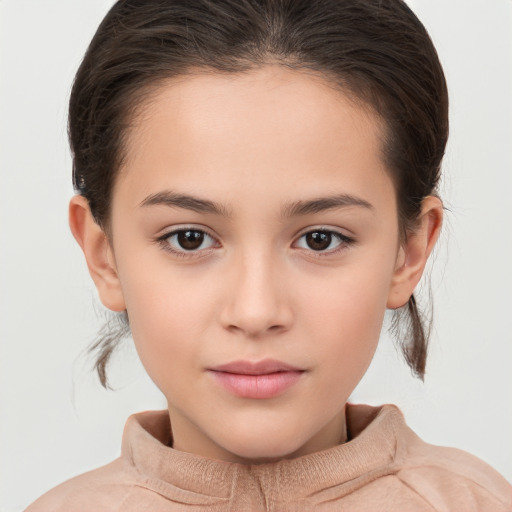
375 50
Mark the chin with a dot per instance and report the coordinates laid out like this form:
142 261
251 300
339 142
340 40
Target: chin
262 448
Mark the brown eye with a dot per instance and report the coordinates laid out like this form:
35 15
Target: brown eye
318 240
324 241
190 239
183 241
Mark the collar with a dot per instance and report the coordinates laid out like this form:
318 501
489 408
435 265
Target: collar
374 438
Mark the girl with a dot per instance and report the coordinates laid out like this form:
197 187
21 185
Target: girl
256 185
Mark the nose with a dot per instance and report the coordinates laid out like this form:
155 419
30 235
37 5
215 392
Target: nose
257 299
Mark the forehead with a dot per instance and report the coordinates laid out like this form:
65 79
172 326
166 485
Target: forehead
263 127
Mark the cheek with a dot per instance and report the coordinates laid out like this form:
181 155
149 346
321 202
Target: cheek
167 314
346 312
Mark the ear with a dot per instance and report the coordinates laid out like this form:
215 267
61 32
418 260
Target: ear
98 253
414 253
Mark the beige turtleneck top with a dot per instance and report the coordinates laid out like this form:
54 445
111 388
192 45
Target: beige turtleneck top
383 467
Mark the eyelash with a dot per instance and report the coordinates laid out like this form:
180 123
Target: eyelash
343 242
163 241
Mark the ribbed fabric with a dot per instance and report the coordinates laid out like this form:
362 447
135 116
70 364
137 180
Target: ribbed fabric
383 467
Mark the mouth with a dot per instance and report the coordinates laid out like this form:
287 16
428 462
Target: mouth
257 380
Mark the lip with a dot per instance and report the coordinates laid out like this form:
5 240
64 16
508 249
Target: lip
258 380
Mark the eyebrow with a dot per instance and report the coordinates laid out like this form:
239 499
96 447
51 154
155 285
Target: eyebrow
172 199
323 203
295 209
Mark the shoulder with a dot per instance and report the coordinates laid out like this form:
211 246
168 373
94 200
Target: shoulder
449 478
102 489
412 474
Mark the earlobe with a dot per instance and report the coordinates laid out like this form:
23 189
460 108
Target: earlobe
98 253
413 255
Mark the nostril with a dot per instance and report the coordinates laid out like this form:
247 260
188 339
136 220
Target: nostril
254 331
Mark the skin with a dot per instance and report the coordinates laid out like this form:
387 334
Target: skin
254 143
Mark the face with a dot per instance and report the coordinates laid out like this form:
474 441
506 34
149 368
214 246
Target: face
255 238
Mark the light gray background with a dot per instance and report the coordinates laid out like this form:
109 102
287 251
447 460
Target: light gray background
56 421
